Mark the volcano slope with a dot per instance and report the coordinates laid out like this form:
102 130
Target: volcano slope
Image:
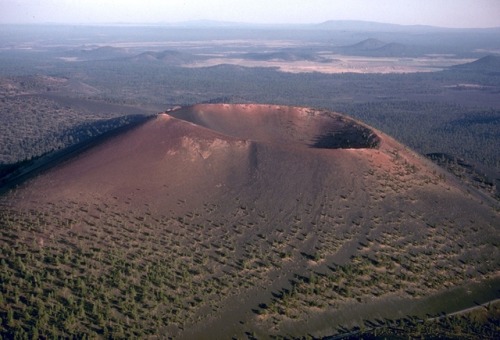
219 220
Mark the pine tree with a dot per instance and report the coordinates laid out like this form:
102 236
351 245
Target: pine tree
34 333
10 318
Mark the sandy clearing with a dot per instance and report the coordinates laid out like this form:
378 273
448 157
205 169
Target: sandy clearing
344 64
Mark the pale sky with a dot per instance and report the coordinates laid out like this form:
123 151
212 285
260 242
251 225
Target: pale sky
445 13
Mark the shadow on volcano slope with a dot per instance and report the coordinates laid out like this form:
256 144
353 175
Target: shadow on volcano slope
216 221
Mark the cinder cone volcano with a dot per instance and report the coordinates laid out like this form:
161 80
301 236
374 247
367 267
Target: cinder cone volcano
226 220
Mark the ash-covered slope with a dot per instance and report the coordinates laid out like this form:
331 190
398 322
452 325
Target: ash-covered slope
206 152
218 220
147 165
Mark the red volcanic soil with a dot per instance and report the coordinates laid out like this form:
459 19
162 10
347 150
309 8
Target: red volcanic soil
260 198
211 149
205 152
144 165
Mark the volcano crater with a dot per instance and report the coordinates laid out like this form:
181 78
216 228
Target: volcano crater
281 125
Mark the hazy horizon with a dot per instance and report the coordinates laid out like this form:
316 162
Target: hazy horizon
440 13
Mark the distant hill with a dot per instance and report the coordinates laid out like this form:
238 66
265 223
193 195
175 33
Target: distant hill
393 50
371 26
351 25
367 44
490 63
98 53
376 48
105 50
168 56
334 25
